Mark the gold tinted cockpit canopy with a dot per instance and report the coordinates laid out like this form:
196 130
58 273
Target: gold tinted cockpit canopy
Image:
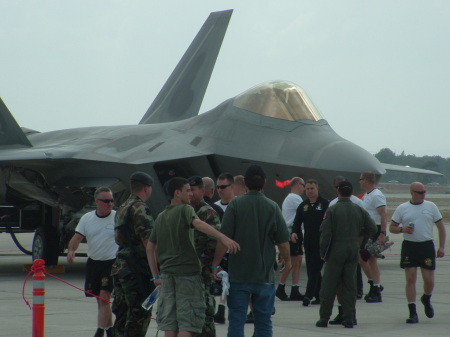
282 100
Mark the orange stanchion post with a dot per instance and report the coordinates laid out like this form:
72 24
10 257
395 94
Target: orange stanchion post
38 298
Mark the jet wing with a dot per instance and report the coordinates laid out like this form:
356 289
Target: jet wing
399 168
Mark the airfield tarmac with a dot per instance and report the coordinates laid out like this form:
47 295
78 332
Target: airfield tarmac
69 313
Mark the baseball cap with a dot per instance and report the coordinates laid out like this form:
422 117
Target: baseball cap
195 181
142 177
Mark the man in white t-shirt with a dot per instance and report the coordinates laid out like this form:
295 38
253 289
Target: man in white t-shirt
225 189
288 210
98 229
375 205
416 219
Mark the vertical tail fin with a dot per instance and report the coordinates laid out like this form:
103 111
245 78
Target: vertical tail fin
10 131
182 94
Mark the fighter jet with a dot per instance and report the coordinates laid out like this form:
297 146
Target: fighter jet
47 179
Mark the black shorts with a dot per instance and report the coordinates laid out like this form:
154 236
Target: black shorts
418 254
295 248
98 276
374 237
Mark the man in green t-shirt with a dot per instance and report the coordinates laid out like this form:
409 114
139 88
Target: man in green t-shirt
256 223
171 244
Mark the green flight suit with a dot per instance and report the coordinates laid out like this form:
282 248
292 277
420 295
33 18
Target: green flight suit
343 224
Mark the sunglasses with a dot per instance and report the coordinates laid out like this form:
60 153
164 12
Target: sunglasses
420 192
222 187
106 201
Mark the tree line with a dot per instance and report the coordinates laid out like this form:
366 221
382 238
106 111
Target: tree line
434 163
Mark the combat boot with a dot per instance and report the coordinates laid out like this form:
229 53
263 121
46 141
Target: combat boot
429 311
281 293
295 294
219 317
338 319
370 289
99 333
109 332
413 318
375 297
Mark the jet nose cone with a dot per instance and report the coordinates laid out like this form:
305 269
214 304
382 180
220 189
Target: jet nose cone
342 155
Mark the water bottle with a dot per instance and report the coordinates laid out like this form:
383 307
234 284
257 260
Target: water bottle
151 299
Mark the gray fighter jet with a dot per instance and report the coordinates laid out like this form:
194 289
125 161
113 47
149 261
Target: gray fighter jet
47 179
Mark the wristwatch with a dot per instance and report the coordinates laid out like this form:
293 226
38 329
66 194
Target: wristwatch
383 232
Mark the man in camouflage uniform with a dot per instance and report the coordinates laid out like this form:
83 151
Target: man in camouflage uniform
205 247
131 273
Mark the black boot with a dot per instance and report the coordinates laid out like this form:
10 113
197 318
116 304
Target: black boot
281 293
375 297
295 294
100 332
370 289
426 301
338 319
109 332
322 323
219 317
413 318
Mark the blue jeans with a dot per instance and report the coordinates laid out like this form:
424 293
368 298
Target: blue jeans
263 298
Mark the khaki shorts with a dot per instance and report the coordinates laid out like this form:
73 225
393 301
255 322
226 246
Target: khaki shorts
181 303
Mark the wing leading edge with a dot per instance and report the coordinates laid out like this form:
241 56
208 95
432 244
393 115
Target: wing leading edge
182 94
399 168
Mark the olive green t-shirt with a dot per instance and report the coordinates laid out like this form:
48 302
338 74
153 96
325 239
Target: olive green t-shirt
173 235
255 222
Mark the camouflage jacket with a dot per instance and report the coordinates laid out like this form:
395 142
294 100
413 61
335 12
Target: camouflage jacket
133 224
205 245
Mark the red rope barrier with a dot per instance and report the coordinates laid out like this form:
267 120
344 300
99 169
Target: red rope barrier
41 268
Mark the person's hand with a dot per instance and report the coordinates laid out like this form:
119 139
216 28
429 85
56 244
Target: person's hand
440 252
214 273
381 239
157 282
71 257
294 237
408 229
233 246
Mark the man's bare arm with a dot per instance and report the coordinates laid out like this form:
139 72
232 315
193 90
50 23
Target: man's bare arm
203 227
442 238
285 254
73 246
152 261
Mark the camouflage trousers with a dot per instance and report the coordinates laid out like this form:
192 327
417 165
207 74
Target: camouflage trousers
131 319
209 329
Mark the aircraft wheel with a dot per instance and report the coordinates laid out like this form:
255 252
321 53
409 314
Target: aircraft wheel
45 245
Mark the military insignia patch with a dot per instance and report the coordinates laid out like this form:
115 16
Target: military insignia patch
104 282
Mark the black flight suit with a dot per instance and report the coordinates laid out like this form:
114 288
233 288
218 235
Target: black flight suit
311 215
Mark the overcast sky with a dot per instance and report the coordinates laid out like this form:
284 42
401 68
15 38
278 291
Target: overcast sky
378 71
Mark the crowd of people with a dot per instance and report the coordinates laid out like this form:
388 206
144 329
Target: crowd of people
195 240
